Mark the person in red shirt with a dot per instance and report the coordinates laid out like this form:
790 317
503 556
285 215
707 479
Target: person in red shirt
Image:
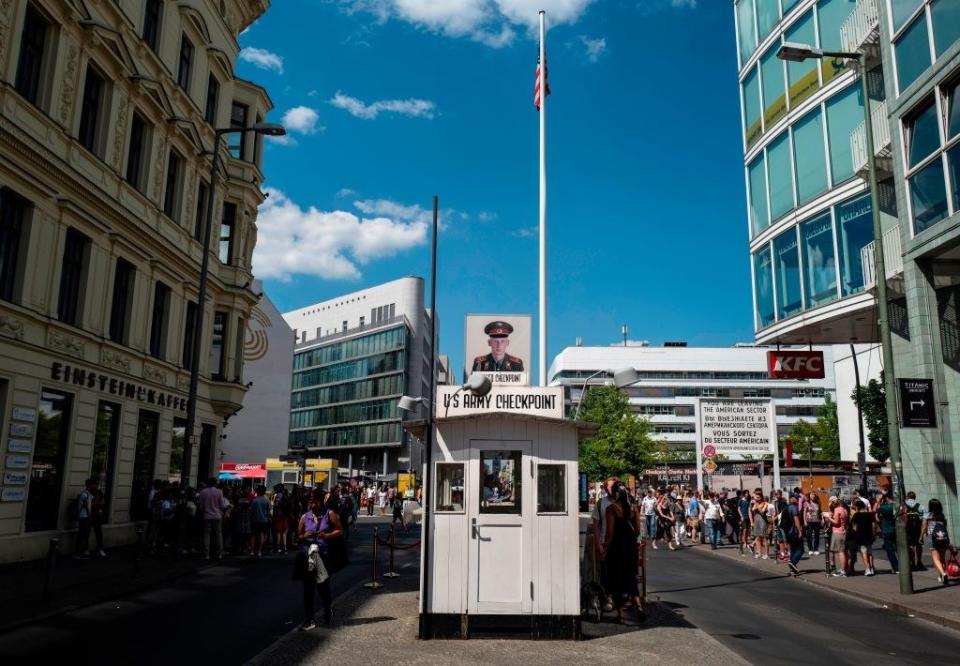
838 540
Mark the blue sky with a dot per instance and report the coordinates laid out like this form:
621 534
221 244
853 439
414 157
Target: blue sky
388 102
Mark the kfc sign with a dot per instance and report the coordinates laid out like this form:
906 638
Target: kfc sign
795 364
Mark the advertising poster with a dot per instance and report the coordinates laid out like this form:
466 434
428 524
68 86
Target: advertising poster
498 345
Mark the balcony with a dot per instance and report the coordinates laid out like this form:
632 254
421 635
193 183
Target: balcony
892 255
861 30
881 144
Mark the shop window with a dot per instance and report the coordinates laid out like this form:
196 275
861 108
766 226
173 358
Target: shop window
104 456
820 266
144 460
501 487
49 455
912 52
789 301
551 489
809 156
763 284
449 488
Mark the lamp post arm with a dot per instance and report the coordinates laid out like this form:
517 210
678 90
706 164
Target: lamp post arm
583 393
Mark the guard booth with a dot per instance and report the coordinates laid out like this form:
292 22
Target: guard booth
502 552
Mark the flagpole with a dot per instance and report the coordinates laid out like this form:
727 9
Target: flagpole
543 203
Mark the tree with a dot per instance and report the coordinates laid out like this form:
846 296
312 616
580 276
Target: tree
823 434
874 407
622 445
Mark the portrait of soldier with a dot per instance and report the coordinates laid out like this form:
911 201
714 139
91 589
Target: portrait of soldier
498 359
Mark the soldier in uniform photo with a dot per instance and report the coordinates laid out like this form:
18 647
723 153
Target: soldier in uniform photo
498 359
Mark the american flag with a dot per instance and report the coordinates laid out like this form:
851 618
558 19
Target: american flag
536 85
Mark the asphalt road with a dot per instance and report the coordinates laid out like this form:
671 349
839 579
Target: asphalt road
775 619
225 614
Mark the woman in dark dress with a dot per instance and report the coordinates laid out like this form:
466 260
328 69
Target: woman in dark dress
619 550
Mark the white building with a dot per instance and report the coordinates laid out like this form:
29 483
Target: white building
354 357
260 429
674 377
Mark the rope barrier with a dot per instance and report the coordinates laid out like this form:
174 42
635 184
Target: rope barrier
392 573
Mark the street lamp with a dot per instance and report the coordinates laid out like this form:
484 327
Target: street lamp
622 378
268 129
795 52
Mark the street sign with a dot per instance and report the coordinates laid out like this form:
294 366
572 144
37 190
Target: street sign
917 407
709 450
795 364
709 467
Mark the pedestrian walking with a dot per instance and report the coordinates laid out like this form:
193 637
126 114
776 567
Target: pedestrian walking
793 532
743 510
371 499
693 512
863 530
619 551
382 499
914 520
649 508
812 523
89 517
320 529
212 506
713 516
886 512
935 527
281 517
259 520
837 518
761 528
679 519
664 520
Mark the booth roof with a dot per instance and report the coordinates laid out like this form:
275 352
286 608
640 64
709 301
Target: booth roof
584 428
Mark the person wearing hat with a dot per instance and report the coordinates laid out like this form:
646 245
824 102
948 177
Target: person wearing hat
498 360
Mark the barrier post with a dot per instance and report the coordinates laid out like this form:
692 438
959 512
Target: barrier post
138 553
374 584
51 566
392 573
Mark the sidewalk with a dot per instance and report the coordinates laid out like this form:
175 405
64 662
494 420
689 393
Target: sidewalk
77 583
930 601
382 626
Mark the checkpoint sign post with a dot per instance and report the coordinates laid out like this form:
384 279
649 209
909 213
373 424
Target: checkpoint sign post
917 406
735 427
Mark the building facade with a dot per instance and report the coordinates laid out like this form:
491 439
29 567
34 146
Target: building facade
673 378
260 429
355 356
107 117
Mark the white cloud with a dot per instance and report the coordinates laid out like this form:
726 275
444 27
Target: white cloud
301 119
345 192
683 4
594 47
332 245
415 108
490 22
527 232
262 58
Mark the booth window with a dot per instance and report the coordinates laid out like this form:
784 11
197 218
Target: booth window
449 488
551 489
501 489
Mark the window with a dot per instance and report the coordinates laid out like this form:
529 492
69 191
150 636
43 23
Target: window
227 225
912 52
953 109
201 214
171 192
746 29
763 284
177 441
362 319
780 173
788 274
189 326
759 217
830 17
751 107
809 156
928 196
72 277
257 142
122 300
216 345
344 326
238 140
33 44
953 161
144 459
240 330
501 489
158 320
151 22
774 94
93 92
923 133
903 10
136 151
768 13
47 468
844 114
185 64
213 95
802 76
551 489
820 269
449 488
854 221
105 450
13 209
945 16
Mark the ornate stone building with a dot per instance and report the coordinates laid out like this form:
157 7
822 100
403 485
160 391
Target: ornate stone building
107 117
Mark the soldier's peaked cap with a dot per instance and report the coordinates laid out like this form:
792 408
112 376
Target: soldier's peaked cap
498 329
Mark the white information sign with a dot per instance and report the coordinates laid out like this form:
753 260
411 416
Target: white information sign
13 495
18 462
15 478
24 414
19 445
530 400
732 427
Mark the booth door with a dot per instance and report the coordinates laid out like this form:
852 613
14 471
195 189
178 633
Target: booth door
500 512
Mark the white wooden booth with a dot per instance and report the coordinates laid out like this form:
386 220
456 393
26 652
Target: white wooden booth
502 552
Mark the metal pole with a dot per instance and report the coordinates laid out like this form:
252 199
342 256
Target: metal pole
392 573
50 568
543 202
426 536
583 393
374 584
862 457
889 377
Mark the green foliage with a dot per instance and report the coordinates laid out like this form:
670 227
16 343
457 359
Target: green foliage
823 434
874 407
622 445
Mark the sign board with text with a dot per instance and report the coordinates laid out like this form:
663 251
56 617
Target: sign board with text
735 427
499 345
917 406
529 400
787 364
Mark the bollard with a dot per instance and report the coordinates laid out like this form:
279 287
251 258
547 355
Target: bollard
137 552
826 551
374 584
51 566
392 573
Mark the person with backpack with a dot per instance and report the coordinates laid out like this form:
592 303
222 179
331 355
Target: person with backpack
86 517
935 527
914 519
863 524
886 512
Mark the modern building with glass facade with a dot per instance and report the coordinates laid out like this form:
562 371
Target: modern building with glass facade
108 111
912 51
355 356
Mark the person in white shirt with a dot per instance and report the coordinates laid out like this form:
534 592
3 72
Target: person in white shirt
371 499
382 500
713 515
649 506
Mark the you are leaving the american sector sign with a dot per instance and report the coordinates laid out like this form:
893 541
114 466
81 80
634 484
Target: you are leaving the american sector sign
737 427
